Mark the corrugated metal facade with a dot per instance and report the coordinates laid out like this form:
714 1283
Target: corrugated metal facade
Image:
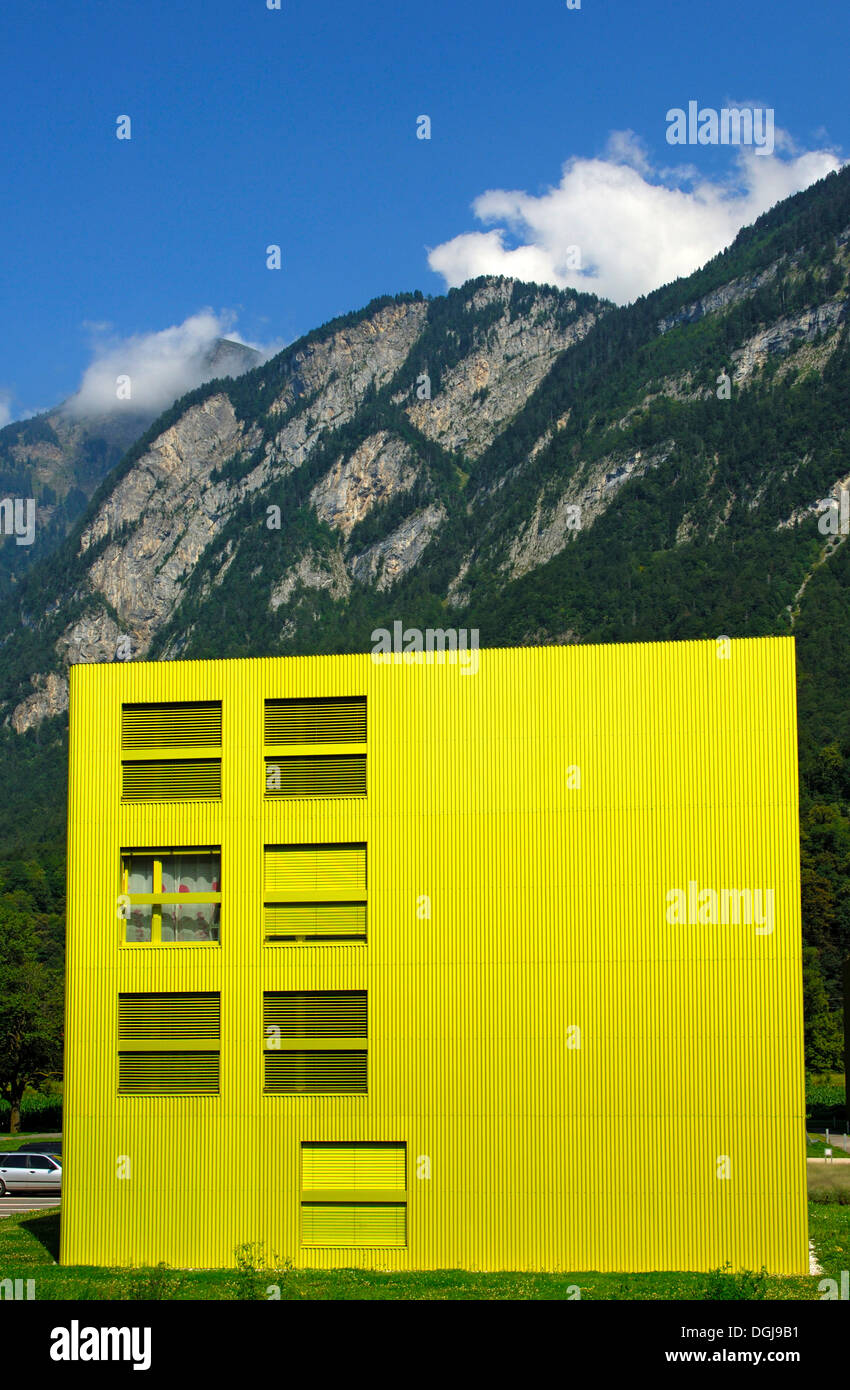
578 1082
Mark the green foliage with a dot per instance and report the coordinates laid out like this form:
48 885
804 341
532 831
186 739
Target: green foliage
30 1004
723 1283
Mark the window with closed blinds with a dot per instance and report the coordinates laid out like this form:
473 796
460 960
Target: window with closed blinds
322 745
314 1042
168 1073
354 1167
315 721
171 726
315 893
315 777
171 752
315 1014
354 1223
168 1044
354 1194
316 1073
173 1017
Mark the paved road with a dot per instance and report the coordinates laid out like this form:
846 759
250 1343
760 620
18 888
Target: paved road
837 1141
16 1202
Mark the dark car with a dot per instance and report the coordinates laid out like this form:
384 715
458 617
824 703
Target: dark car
50 1146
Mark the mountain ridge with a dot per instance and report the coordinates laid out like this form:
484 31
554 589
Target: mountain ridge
426 460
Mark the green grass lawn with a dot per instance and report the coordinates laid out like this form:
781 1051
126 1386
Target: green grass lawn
816 1149
29 1248
8 1143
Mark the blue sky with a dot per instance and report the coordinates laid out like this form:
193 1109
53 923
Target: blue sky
253 126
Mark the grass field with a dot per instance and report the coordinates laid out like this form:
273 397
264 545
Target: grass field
29 1248
8 1145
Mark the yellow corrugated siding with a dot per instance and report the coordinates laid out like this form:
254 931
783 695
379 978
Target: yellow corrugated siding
508 907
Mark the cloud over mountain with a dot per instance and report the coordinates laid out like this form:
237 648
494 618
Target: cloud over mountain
619 227
147 371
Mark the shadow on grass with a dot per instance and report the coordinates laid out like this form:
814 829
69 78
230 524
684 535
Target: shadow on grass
45 1229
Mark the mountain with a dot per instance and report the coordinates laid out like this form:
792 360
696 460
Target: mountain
59 456
533 463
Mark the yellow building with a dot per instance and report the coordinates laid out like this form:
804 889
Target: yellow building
427 964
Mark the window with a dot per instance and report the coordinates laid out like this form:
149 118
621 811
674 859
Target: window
315 893
315 721
170 896
171 752
168 1044
354 1194
314 1042
322 745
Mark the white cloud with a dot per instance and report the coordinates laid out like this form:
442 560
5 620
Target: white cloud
5 408
636 227
160 366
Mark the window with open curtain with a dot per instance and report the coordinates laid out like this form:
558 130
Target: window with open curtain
172 896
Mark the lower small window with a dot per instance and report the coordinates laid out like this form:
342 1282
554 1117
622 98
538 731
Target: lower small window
354 1223
354 1194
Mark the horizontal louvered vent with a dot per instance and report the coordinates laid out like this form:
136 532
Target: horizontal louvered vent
312 1073
168 1073
326 870
318 776
170 1017
315 921
171 726
354 1223
315 721
353 1167
185 780
315 1014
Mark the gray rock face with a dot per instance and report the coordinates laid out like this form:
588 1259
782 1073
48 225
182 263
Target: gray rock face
485 390
786 335
316 428
386 561
381 468
313 571
49 698
159 520
721 298
553 525
334 375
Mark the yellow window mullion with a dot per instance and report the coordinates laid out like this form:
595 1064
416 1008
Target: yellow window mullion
156 909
